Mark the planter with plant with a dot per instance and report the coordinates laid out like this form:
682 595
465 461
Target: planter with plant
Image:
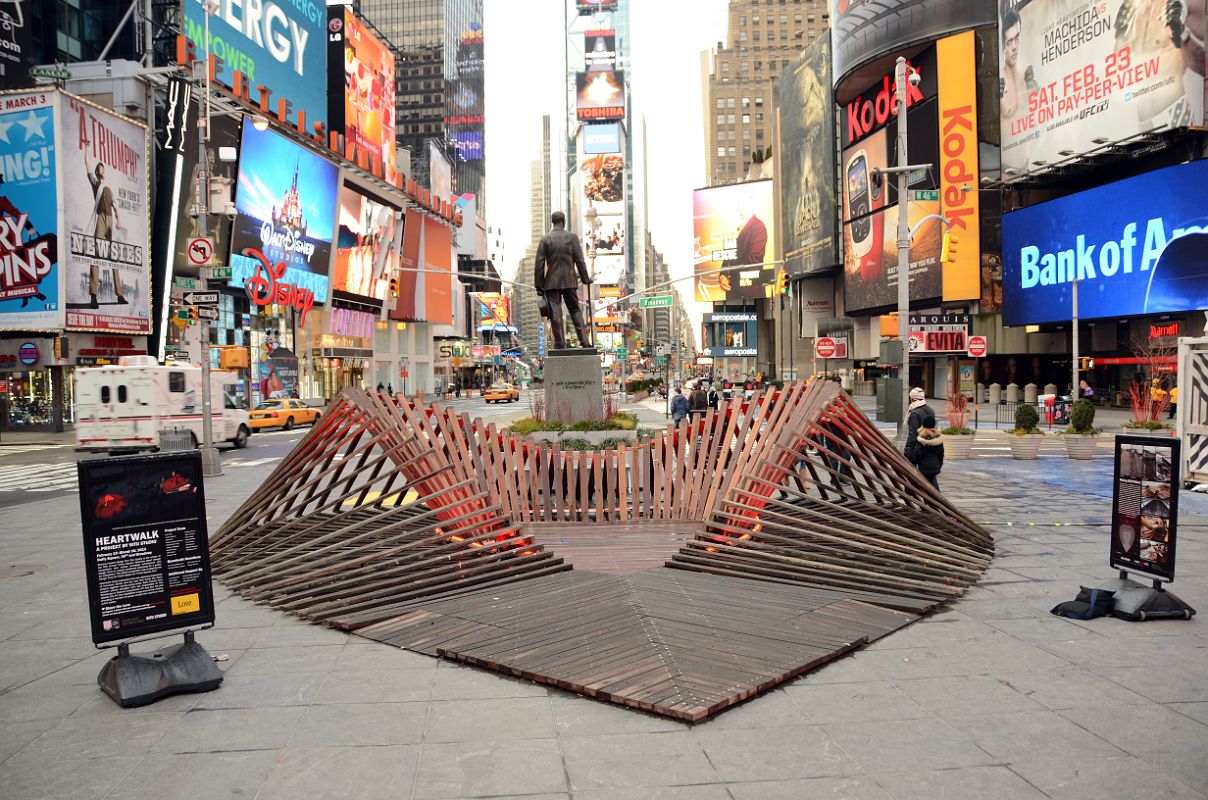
958 439
1025 437
1149 405
1081 438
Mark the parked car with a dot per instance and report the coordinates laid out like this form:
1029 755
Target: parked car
282 413
501 393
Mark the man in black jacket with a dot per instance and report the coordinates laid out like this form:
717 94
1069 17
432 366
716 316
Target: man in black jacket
919 410
559 254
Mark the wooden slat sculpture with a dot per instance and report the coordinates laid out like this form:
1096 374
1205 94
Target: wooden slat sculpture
793 532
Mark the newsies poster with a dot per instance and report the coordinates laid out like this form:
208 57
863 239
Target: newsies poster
29 255
105 223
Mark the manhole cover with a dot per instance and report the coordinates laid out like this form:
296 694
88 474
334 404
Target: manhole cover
20 570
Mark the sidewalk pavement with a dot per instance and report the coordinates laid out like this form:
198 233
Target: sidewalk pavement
29 438
992 697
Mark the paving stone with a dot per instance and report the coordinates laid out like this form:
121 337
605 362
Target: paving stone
197 776
1011 736
774 709
851 788
361 724
85 780
1063 778
1197 711
274 660
15 735
376 686
966 695
866 701
1071 688
489 769
1138 729
580 716
231 729
955 660
775 753
906 746
255 690
658 793
363 654
294 633
1174 685
494 718
455 682
635 760
111 735
998 783
342 773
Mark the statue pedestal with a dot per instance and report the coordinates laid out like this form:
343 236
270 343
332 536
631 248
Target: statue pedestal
573 385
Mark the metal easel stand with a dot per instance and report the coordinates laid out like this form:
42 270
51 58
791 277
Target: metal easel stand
137 680
1143 602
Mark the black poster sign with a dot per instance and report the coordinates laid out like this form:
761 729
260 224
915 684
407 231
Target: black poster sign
146 548
16 45
1145 505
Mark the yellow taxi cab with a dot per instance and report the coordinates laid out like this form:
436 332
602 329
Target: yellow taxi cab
501 393
283 413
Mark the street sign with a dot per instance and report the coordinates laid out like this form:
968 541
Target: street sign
658 361
200 251
181 282
920 195
622 352
664 350
207 312
977 346
202 298
662 301
49 72
825 347
219 273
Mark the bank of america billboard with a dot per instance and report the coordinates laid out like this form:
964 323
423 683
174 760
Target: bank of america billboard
1137 246
276 44
1070 74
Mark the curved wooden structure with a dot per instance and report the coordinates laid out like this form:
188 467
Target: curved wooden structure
792 531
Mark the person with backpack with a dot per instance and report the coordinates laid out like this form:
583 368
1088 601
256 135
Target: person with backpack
917 411
679 406
929 451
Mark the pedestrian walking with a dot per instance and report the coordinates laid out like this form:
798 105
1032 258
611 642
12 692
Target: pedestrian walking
699 402
679 406
917 411
713 397
929 451
390 389
380 387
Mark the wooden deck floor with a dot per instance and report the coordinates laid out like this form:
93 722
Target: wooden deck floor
617 549
677 643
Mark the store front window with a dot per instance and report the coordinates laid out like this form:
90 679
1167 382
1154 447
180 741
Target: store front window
28 398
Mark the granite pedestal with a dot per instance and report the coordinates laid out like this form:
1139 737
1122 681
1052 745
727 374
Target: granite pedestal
573 385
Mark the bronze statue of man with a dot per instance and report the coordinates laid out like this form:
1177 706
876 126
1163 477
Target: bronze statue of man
558 256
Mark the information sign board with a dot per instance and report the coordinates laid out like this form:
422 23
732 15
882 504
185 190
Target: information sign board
146 547
1145 505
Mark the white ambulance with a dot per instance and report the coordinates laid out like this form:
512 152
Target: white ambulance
127 406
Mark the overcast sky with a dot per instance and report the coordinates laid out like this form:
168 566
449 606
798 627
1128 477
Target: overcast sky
525 79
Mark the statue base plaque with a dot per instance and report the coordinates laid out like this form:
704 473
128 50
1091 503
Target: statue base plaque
574 388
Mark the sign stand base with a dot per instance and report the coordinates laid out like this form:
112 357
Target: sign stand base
1146 602
137 680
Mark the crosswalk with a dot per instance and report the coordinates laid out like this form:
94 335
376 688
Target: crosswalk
38 477
20 449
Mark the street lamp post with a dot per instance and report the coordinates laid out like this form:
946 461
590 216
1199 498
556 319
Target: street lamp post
210 463
899 75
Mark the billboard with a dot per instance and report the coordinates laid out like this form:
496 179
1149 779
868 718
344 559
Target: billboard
1137 246
805 120
360 74
734 225
494 312
1074 72
593 6
29 244
603 205
285 204
602 138
16 47
468 143
599 50
366 239
225 132
600 95
958 163
863 30
105 230
278 45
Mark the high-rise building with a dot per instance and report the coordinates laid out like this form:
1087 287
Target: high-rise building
439 84
524 300
737 79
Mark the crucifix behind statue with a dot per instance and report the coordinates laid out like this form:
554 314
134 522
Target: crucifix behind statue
559 255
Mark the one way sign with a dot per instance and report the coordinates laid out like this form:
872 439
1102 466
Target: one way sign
201 298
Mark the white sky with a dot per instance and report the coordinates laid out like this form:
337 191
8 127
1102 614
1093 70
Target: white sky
525 79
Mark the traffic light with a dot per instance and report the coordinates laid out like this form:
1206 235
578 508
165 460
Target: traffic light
782 282
1085 363
192 315
393 287
948 253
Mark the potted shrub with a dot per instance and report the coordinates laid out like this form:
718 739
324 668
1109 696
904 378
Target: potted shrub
958 439
1081 438
1025 436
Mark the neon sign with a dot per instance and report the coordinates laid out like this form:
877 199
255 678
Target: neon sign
266 287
